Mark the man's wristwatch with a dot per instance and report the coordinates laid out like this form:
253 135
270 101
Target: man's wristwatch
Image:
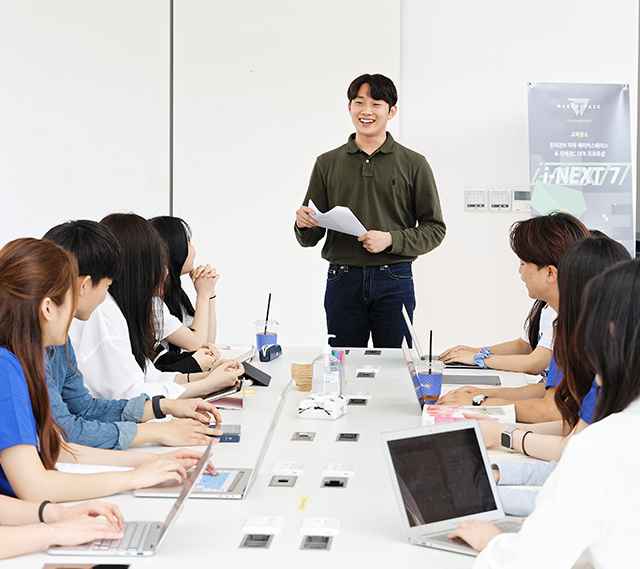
478 399
506 439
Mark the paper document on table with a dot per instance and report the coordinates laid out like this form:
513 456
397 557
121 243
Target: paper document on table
77 468
340 219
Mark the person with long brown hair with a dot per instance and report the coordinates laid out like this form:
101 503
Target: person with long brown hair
573 374
539 242
37 301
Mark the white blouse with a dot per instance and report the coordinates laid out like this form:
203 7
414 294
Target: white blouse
545 335
590 504
105 359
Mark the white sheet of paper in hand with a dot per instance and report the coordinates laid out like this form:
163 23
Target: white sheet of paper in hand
340 219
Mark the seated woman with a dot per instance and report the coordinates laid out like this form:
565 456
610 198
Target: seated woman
27 526
181 326
575 395
590 502
116 346
539 243
38 295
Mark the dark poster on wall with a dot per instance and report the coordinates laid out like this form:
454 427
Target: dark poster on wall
580 155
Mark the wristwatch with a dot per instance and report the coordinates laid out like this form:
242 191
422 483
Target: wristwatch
506 439
478 399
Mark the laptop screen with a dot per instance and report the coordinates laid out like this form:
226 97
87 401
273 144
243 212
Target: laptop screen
441 476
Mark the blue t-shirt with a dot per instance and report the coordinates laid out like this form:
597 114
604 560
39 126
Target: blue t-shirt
17 423
554 377
588 407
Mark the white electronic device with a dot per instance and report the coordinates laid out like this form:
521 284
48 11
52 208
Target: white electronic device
521 201
288 469
339 469
263 525
475 200
321 406
499 200
320 526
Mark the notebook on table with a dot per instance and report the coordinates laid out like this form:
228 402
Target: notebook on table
441 476
140 538
230 483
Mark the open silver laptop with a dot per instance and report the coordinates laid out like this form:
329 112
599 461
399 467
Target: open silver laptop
140 538
476 379
441 476
232 483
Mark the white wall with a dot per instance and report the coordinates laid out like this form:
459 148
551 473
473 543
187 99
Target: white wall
83 111
465 68
259 93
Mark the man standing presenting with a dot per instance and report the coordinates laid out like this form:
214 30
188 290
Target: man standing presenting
392 191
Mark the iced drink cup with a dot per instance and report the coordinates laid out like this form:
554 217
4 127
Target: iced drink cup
266 333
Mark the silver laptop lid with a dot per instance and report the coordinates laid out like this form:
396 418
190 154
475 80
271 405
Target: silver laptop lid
441 476
268 436
414 336
187 487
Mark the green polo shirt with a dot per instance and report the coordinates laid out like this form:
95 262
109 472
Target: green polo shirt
392 190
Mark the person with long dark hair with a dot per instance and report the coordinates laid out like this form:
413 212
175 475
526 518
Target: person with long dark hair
181 326
110 423
572 374
539 242
590 502
116 346
38 296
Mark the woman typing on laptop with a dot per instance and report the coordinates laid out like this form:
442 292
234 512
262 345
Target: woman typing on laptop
539 243
591 501
570 371
27 526
38 295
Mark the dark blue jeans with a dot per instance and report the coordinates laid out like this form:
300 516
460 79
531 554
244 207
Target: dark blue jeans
363 301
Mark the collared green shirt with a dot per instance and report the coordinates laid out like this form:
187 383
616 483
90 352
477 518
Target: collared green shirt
392 190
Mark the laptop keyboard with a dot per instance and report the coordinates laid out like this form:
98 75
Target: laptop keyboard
135 535
505 526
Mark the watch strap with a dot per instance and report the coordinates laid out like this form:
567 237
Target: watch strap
155 405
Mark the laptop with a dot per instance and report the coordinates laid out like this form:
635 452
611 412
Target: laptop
441 476
225 392
421 394
460 379
140 538
231 484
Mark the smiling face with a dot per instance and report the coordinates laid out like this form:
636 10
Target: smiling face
370 116
535 279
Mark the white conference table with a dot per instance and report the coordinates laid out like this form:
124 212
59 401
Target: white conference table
209 531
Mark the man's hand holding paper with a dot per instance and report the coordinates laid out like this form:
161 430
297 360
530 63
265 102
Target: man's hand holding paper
339 219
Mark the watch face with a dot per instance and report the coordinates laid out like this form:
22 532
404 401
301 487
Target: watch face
505 440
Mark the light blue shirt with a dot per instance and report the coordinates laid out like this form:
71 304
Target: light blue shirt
89 421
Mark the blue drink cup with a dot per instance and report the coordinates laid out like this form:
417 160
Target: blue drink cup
429 384
266 332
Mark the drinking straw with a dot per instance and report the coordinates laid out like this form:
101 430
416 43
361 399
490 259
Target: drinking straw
430 348
267 318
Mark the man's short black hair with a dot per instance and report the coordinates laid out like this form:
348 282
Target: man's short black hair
98 252
382 88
